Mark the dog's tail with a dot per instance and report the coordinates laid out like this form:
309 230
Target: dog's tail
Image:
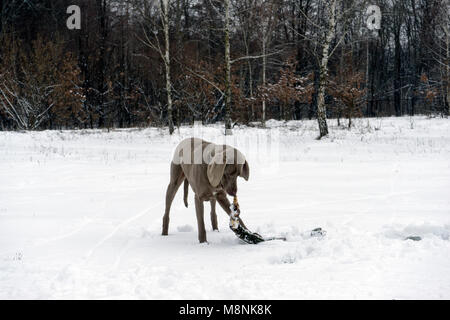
186 190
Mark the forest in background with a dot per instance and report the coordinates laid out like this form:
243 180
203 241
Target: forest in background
137 63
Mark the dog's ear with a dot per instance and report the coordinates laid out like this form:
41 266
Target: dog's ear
245 171
215 169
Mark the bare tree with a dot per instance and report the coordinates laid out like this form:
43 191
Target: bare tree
153 42
228 130
164 4
267 10
266 14
443 59
323 73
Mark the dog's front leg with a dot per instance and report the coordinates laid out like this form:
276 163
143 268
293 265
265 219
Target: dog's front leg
225 204
199 208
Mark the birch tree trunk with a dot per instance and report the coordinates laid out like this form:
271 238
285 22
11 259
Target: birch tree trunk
228 130
165 19
263 120
178 52
447 63
397 71
368 103
250 80
323 74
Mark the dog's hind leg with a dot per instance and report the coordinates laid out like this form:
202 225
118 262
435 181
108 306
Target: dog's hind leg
199 208
176 178
186 192
213 215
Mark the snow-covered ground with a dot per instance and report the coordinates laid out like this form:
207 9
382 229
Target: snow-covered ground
81 214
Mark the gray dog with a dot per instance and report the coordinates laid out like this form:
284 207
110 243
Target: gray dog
212 171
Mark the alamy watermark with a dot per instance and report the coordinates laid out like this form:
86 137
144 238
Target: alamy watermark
374 17
74 21
260 147
373 21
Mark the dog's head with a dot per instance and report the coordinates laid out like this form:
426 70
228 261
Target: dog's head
224 168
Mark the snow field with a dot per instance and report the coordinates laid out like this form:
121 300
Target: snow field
81 214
